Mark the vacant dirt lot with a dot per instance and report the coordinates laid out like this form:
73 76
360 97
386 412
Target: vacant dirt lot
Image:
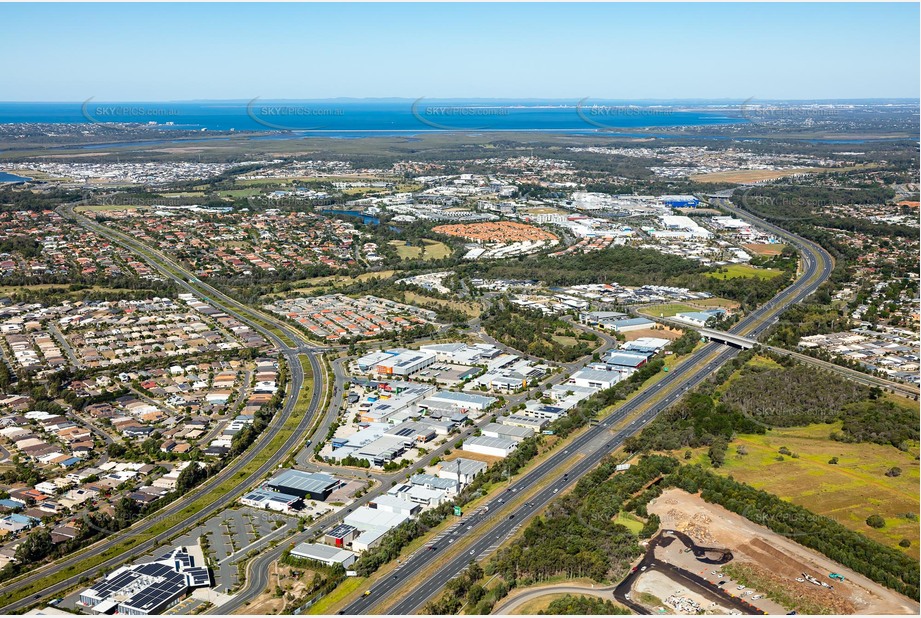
500 231
663 332
751 543
767 249
293 587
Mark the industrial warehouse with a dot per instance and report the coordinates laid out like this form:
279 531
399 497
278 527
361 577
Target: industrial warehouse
315 486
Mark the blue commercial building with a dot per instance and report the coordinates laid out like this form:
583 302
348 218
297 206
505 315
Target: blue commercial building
680 201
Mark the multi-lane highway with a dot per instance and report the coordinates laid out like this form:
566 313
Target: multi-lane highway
258 569
30 583
483 530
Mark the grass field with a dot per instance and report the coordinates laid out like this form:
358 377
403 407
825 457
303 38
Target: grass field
258 182
629 521
432 250
327 603
667 310
744 176
240 193
184 194
406 252
471 309
363 190
722 303
58 287
565 340
435 250
848 492
734 271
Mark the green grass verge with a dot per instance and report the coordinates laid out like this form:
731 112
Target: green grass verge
327 603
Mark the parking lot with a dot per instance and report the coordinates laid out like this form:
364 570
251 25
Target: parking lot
231 535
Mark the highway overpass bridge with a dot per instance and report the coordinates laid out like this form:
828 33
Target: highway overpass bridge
736 341
910 391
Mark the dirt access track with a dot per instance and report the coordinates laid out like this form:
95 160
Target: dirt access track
711 524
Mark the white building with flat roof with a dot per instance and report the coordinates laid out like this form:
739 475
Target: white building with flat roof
494 447
509 432
395 504
326 554
464 401
596 379
461 470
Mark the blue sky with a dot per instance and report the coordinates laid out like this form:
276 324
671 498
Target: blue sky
144 52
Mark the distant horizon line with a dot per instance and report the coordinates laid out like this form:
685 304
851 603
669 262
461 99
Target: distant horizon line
562 101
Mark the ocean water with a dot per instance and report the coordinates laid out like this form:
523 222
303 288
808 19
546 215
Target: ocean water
347 118
6 177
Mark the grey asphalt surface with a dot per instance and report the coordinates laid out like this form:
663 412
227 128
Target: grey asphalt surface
233 469
507 605
691 580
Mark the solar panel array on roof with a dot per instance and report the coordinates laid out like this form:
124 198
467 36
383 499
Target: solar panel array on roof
158 586
198 577
148 588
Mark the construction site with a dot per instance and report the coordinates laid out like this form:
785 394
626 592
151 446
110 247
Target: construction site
743 567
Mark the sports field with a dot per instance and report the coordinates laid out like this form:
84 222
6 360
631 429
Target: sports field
431 250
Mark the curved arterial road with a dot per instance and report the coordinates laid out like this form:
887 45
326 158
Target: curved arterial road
254 319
